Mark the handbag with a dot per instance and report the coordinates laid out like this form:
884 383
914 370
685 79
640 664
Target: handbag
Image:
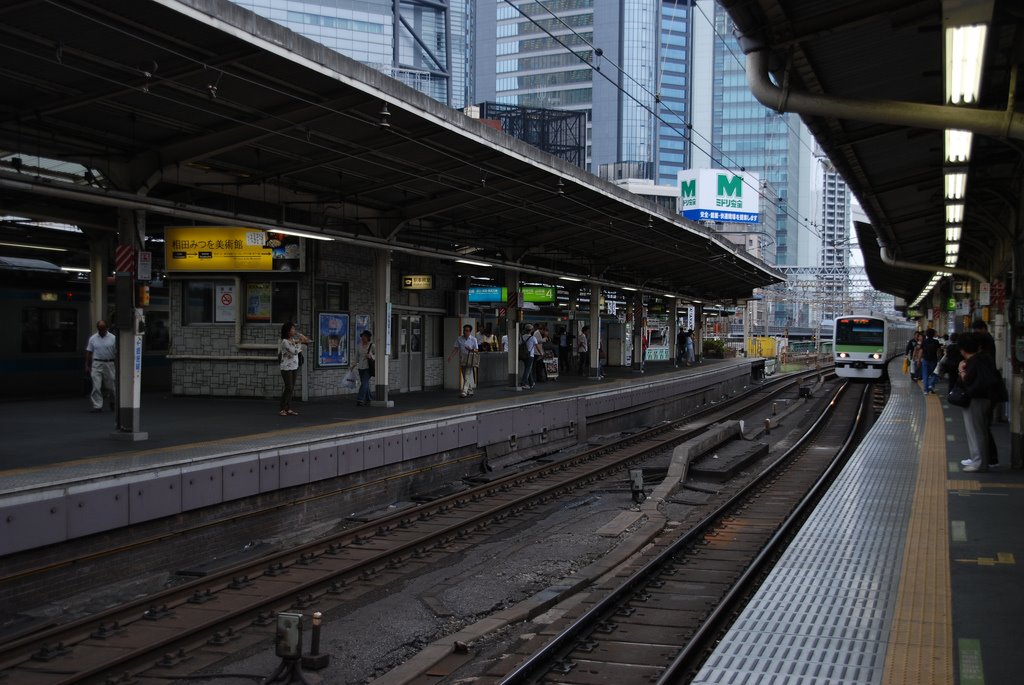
958 397
302 359
371 363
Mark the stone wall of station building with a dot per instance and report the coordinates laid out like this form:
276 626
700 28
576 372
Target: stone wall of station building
207 361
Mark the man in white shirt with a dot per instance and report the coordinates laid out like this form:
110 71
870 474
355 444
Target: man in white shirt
528 348
583 349
468 349
100 355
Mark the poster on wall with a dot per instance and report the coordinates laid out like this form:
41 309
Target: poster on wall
332 339
258 297
362 324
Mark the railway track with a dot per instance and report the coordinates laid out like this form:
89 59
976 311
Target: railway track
657 625
183 630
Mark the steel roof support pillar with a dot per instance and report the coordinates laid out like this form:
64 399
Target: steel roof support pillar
381 325
513 315
131 228
594 339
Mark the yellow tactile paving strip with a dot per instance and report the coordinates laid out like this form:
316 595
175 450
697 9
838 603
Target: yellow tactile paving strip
921 642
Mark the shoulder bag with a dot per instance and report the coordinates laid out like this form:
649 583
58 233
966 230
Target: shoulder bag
371 363
958 397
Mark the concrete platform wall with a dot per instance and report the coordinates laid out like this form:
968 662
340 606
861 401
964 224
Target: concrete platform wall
442 448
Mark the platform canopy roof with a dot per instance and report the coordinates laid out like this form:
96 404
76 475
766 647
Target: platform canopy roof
198 111
868 78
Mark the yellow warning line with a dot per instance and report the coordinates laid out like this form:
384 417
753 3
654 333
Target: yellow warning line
921 643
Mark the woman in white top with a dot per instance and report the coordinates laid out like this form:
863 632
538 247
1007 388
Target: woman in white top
288 349
366 356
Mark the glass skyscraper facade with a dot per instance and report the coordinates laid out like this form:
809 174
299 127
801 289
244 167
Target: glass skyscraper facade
425 46
674 61
598 56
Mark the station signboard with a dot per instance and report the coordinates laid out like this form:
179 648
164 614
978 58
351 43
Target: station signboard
531 293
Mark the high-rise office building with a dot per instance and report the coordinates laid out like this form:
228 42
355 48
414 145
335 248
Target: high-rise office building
597 56
425 46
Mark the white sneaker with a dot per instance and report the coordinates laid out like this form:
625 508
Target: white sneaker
975 467
966 462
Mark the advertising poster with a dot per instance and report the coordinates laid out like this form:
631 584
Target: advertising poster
332 339
230 248
362 324
257 302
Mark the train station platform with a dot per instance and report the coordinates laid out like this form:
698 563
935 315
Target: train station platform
63 475
905 573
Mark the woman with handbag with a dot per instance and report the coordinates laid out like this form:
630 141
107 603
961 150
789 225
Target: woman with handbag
977 377
468 349
366 365
289 351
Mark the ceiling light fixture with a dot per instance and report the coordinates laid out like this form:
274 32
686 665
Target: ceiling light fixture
953 234
965 50
300 234
958 146
472 263
956 185
954 213
26 246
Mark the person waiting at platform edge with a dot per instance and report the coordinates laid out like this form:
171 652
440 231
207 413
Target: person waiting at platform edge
527 350
100 353
981 382
930 348
583 350
366 357
292 344
468 349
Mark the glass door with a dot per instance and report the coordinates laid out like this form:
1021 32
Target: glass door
410 351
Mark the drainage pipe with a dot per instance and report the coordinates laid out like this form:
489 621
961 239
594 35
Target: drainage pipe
997 124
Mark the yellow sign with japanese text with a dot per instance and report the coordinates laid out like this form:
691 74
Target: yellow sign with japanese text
217 248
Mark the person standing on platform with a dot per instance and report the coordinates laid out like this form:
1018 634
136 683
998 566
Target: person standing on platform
583 350
468 349
563 350
987 344
690 356
978 377
486 339
292 344
527 349
681 347
540 332
929 358
100 354
949 365
366 365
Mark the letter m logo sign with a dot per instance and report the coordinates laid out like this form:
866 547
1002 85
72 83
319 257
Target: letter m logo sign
730 185
688 188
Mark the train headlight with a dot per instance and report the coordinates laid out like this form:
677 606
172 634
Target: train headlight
876 356
843 355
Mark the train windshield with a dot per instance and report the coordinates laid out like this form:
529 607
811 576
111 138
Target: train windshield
860 332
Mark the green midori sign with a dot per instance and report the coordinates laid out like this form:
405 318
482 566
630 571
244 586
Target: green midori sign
718 195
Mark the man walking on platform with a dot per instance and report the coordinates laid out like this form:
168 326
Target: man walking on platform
100 353
929 358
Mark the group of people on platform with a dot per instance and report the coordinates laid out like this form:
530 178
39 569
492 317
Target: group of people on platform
290 350
969 361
